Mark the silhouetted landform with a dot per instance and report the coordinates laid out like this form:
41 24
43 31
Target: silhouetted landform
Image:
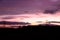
8 22
41 28
37 28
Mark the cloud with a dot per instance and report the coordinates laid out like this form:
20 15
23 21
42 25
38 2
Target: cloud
53 11
16 7
31 17
8 17
50 11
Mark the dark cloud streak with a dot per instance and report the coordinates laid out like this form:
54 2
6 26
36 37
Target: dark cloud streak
7 17
53 11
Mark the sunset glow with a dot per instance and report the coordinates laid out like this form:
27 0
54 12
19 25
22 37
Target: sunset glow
30 11
33 18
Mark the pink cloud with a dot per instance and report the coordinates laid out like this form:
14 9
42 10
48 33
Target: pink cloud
34 17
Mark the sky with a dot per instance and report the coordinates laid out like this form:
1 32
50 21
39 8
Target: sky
29 10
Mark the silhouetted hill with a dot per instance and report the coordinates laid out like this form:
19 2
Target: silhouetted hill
39 28
33 31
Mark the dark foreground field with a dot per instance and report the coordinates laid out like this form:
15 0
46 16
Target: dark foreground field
39 30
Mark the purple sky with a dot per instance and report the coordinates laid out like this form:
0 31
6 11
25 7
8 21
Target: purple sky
12 7
18 7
